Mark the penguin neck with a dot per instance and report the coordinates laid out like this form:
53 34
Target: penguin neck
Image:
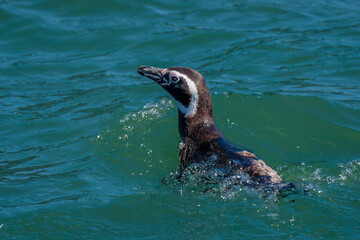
200 127
195 118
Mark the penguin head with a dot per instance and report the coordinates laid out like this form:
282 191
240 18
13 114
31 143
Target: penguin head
185 85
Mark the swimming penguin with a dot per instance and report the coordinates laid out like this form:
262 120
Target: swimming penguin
201 139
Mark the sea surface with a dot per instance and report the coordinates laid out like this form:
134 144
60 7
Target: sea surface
88 147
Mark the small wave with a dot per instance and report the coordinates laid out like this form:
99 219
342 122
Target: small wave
135 122
132 140
21 171
346 173
150 111
342 173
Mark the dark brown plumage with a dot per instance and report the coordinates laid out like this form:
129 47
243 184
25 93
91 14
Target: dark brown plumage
202 141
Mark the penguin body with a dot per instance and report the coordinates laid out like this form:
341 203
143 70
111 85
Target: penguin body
201 140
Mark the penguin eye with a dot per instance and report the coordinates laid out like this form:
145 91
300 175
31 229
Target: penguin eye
174 78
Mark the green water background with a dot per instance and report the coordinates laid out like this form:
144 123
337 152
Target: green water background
85 141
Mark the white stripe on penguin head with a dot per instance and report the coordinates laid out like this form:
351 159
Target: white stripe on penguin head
190 110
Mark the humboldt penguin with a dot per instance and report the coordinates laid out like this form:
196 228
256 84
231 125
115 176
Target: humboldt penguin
201 139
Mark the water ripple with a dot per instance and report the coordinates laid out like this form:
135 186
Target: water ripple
85 140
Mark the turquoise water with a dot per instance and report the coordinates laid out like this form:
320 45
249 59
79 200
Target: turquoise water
85 141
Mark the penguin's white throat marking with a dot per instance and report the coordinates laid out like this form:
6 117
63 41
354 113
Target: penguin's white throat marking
191 109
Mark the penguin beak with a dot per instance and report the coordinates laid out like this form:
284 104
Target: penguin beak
153 73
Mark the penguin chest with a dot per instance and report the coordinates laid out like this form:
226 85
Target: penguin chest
190 152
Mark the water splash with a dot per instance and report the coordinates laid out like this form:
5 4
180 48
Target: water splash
342 173
135 122
206 179
150 111
345 173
